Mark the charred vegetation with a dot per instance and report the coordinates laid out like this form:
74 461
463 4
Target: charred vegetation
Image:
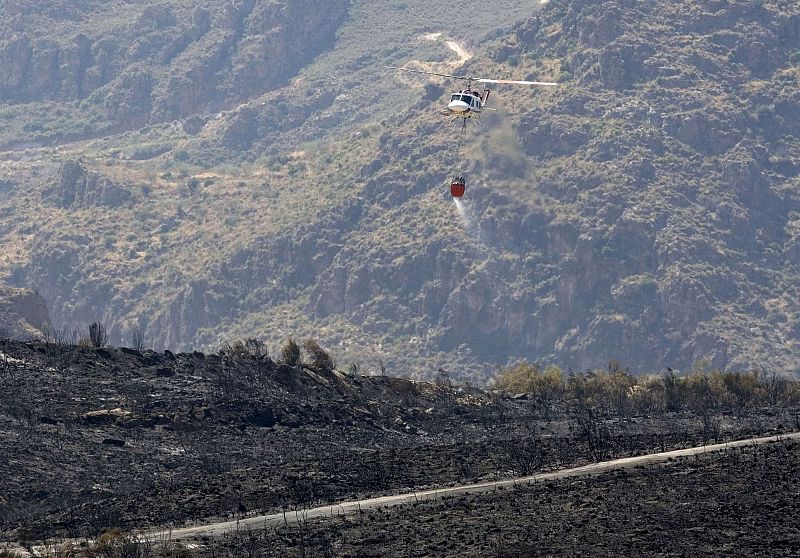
103 437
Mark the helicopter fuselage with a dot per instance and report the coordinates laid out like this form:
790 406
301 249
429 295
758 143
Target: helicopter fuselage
465 104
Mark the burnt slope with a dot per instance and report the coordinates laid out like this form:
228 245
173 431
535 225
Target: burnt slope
741 501
94 438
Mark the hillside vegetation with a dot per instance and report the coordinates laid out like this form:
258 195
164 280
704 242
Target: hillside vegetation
646 210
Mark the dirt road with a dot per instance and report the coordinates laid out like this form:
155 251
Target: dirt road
459 49
463 54
355 506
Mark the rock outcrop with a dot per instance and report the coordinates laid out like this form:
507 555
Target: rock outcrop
78 187
23 314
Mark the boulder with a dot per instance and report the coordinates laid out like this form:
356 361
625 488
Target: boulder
105 416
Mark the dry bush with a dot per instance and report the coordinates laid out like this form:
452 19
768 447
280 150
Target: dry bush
137 341
250 348
113 543
649 395
98 335
610 389
319 359
591 431
290 353
616 390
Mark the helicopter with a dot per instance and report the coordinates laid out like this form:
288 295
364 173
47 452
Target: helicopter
468 103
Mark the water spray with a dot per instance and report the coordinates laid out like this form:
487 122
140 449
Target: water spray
465 214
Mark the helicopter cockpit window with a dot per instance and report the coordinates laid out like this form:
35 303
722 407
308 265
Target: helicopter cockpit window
455 97
467 99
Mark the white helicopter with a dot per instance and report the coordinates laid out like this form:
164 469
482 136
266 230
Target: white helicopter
468 103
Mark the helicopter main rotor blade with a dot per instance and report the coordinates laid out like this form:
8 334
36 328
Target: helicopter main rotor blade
431 73
515 82
477 80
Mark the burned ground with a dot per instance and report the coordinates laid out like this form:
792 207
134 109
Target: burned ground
740 502
93 438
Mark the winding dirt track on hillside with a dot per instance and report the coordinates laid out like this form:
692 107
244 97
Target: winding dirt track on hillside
463 54
460 50
355 506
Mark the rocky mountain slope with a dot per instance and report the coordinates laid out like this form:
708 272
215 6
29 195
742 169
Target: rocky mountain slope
674 154
134 63
645 210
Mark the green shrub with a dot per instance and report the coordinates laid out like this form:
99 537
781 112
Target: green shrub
193 184
530 378
148 151
296 168
277 161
